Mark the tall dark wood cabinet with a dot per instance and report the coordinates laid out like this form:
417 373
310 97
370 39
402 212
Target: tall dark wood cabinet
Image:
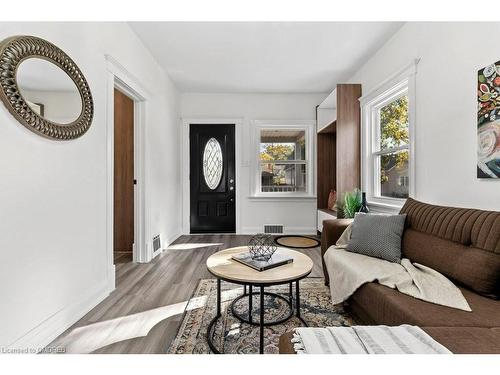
348 138
338 146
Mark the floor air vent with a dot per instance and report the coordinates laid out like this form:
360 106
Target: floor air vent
273 228
156 243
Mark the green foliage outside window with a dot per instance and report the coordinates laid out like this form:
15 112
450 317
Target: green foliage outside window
394 133
277 151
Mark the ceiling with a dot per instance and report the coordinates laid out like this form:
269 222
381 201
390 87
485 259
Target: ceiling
262 57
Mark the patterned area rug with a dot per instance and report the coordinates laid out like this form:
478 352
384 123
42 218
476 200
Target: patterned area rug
235 337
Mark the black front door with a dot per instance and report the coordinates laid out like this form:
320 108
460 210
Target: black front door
212 178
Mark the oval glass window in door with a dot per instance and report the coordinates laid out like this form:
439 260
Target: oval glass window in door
212 163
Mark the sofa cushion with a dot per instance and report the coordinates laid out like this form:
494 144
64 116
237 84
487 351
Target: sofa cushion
383 305
472 267
462 244
377 236
470 227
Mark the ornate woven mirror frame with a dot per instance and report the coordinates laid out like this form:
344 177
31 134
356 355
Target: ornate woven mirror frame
13 51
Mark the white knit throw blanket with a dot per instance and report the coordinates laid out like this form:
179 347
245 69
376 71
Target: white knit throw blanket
403 339
348 271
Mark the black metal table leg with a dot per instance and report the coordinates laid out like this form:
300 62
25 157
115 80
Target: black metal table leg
261 351
211 326
244 289
250 300
219 303
297 298
290 296
297 303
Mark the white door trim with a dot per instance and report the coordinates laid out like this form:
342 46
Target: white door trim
120 78
238 152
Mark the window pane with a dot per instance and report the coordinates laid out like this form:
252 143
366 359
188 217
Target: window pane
394 175
394 124
212 163
282 145
283 177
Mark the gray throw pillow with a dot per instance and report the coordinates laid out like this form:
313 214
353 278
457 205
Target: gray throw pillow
378 236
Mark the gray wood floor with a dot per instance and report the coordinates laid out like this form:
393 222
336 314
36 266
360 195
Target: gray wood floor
144 312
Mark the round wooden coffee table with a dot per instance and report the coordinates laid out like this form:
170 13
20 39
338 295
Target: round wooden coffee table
225 269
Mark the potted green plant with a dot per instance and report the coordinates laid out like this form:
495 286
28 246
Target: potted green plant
351 204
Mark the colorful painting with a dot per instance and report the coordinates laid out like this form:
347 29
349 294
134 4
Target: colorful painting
488 122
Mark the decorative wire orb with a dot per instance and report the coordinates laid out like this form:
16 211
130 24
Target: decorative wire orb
262 247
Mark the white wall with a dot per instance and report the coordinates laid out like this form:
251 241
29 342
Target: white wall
299 215
54 264
62 107
451 54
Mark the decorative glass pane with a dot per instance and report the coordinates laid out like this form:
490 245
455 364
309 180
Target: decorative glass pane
282 144
277 177
394 124
212 163
394 175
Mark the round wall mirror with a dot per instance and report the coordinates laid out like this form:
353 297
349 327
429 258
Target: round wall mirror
49 91
44 89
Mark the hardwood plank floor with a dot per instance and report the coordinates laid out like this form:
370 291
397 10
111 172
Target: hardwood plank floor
144 312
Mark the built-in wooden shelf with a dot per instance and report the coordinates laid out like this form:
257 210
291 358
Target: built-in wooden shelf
330 128
327 211
338 146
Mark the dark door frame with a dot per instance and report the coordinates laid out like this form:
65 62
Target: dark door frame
185 162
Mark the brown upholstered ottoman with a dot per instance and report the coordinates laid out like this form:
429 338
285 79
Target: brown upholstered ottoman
285 345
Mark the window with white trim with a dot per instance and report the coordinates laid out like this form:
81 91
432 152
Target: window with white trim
387 123
283 161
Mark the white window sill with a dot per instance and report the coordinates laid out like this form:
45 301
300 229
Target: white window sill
282 197
390 206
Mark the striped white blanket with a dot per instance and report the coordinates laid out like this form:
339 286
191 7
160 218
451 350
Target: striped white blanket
404 339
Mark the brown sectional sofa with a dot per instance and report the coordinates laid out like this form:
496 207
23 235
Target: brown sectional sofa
462 244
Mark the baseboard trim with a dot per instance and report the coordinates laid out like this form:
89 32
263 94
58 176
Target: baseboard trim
171 239
287 230
40 336
111 278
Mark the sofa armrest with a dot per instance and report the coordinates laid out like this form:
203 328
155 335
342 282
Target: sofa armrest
332 230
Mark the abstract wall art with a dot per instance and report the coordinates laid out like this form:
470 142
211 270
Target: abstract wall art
488 122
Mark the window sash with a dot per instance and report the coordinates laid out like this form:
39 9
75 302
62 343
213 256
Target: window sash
377 185
399 92
376 152
294 187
